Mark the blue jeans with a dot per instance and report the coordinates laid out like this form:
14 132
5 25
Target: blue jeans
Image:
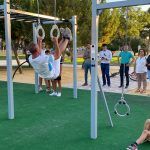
124 69
87 66
105 73
148 73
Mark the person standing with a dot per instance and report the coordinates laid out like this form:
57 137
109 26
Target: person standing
87 63
141 71
148 66
105 57
57 81
124 59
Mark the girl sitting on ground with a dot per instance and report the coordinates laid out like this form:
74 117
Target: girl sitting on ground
145 136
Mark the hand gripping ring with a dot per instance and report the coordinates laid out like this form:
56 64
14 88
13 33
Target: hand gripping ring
121 103
39 27
54 27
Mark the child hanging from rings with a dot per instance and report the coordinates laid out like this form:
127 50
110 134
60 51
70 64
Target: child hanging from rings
48 66
144 137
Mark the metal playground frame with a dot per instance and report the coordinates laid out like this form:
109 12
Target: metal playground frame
97 8
17 15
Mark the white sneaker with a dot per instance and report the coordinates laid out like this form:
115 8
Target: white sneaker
68 34
40 89
53 94
47 90
59 94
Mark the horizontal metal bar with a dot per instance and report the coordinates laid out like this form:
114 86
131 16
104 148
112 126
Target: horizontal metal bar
1 6
13 11
126 3
57 22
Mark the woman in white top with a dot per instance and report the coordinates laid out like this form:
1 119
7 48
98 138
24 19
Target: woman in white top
141 71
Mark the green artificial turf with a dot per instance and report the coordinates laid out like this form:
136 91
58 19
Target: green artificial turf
50 123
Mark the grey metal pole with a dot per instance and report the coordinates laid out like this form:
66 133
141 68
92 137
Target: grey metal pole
36 74
57 22
9 59
94 52
74 26
105 101
120 3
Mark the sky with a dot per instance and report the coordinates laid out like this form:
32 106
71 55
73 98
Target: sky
144 7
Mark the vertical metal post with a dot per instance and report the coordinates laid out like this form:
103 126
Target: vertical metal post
9 59
36 74
94 52
74 27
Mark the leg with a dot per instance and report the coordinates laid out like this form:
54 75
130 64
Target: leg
138 81
59 48
48 86
148 73
143 76
40 84
145 134
103 73
127 75
54 93
63 45
107 74
59 81
59 87
85 73
121 71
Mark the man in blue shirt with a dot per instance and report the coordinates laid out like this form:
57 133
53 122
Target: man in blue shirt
125 60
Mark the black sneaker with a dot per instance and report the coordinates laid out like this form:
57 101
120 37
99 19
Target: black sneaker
126 86
120 86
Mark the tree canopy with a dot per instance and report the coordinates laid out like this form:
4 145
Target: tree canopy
113 23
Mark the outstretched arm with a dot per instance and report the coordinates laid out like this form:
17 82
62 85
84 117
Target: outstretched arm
39 42
57 49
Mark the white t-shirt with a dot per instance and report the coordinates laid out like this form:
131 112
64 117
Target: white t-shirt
105 54
46 66
141 65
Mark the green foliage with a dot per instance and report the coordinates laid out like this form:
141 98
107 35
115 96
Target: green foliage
113 26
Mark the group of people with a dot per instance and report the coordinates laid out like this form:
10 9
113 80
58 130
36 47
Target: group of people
125 59
48 65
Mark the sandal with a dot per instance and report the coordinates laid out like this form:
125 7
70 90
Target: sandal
143 91
138 90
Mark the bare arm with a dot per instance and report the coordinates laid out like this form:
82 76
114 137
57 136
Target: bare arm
57 49
39 42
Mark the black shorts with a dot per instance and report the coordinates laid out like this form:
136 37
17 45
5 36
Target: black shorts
58 78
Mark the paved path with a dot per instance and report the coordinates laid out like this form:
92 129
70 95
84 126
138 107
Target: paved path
68 81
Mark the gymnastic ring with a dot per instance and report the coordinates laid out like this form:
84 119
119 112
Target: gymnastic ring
39 27
122 102
55 27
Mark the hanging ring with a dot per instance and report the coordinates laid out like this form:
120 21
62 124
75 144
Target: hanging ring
39 27
54 27
122 102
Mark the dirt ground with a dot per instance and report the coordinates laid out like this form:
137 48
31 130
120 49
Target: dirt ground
67 79
28 75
